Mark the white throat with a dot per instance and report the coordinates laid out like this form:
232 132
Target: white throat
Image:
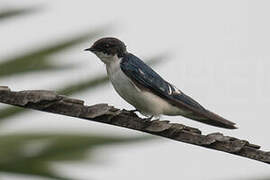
106 58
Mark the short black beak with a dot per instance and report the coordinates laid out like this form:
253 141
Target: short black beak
90 49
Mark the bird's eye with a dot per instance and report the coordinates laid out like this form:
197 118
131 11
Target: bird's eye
107 45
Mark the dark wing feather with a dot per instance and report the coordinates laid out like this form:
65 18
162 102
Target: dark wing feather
143 75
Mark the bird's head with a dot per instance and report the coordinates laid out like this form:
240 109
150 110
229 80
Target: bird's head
108 48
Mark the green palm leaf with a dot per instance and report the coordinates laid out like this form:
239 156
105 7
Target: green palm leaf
8 13
38 60
15 156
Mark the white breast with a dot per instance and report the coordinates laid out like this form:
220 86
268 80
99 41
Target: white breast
144 101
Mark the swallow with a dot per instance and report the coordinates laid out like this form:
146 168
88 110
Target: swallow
146 90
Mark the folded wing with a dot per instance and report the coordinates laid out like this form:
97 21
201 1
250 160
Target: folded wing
145 76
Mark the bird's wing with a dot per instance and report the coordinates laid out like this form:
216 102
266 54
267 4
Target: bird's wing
147 78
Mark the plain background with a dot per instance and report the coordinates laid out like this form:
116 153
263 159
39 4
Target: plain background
219 54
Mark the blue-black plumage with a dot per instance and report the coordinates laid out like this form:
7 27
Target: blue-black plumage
145 89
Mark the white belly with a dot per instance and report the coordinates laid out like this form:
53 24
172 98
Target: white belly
144 101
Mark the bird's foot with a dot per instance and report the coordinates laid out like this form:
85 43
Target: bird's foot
133 111
149 118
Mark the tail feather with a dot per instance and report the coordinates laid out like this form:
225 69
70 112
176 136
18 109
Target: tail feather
212 119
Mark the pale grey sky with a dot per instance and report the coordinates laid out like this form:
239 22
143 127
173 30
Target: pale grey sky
220 51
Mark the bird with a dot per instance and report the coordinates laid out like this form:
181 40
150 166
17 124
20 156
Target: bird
145 89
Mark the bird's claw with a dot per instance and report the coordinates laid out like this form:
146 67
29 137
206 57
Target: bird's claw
149 118
135 110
